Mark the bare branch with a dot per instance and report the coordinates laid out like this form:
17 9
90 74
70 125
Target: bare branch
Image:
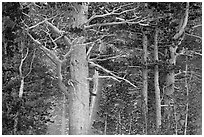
109 14
196 53
22 60
199 25
54 28
114 57
51 39
39 23
131 21
194 36
89 50
57 31
109 77
108 71
53 57
31 64
183 23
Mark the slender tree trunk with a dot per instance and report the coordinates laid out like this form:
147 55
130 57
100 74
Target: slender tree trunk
156 82
79 96
144 76
95 98
187 94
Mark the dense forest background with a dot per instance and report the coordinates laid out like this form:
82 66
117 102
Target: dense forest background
108 68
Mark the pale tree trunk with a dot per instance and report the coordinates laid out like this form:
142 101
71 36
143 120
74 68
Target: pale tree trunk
78 91
144 77
170 78
156 82
79 96
95 98
187 94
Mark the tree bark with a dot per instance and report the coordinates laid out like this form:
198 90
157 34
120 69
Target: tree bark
79 96
156 82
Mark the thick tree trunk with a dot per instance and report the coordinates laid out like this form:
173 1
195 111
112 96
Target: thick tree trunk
144 76
156 82
79 96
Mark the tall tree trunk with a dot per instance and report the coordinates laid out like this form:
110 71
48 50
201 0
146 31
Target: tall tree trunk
79 96
187 94
170 78
156 82
144 76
